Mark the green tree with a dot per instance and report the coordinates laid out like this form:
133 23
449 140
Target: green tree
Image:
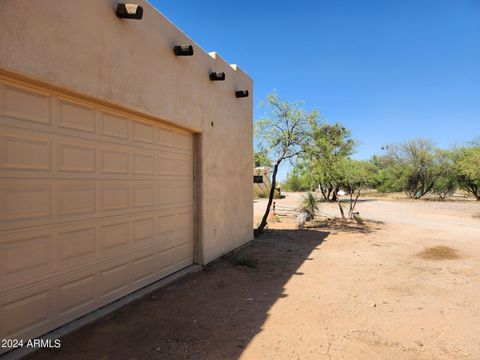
296 180
260 158
284 132
354 176
447 182
387 174
417 164
468 169
330 144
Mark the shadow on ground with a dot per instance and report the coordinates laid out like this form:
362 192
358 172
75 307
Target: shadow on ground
213 314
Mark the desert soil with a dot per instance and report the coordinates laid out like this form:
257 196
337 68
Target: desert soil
406 285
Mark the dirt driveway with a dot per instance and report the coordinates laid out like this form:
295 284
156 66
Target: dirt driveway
405 286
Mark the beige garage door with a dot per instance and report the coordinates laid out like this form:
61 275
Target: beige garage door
94 204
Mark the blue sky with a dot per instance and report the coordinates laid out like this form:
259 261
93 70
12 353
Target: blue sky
388 70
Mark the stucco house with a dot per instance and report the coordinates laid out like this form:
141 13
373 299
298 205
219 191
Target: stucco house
125 156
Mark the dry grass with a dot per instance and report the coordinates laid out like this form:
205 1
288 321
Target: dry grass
386 196
459 196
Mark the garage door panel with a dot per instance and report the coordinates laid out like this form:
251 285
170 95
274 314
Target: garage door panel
22 104
25 314
183 193
70 156
143 269
143 163
94 203
144 230
76 199
75 295
80 245
76 117
114 281
183 219
26 253
25 152
44 267
114 236
114 196
184 166
114 161
76 157
113 126
165 193
165 164
183 141
77 243
143 195
184 251
143 132
30 204
24 202
165 137
166 224
165 260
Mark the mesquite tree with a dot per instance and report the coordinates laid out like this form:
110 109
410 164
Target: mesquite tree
417 164
284 132
468 170
447 182
330 145
354 176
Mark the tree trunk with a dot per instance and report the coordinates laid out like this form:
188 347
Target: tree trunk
335 191
350 207
476 193
324 193
355 201
262 225
474 190
341 208
329 192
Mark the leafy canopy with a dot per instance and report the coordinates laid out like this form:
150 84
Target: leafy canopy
417 164
468 169
330 145
284 132
260 158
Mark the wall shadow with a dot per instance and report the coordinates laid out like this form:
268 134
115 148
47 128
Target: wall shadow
213 314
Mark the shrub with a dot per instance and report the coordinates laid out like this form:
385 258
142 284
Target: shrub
309 205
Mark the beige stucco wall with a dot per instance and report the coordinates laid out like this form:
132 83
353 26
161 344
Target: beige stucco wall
82 47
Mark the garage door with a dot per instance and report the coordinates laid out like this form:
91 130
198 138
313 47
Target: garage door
94 204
